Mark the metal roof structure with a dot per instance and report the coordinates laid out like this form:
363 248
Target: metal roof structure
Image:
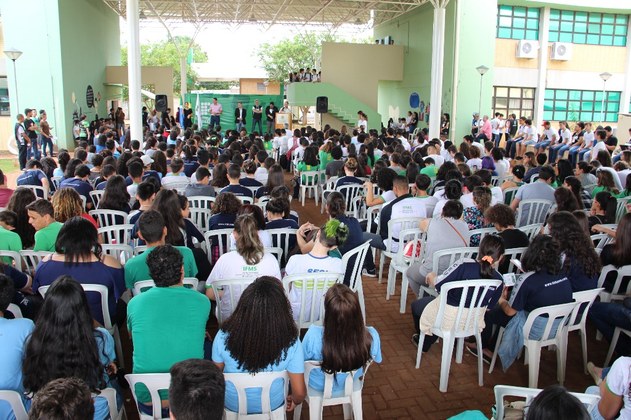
269 12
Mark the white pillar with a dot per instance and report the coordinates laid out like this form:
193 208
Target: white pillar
183 89
133 69
626 92
542 71
438 55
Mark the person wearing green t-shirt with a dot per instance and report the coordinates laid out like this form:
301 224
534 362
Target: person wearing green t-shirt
152 230
9 240
167 323
41 216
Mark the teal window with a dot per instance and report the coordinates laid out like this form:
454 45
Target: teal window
581 105
514 100
514 22
588 28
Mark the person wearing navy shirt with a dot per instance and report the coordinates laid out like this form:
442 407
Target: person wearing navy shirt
490 254
349 178
80 183
275 210
234 175
542 284
224 212
34 175
249 180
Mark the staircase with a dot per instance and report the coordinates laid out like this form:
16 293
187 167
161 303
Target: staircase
342 105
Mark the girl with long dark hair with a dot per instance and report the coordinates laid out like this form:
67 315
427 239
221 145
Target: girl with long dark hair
343 343
115 195
65 344
603 209
617 253
580 261
275 178
261 336
21 198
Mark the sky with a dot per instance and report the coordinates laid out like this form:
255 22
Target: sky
239 42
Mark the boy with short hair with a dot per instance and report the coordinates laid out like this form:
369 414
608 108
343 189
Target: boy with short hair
41 216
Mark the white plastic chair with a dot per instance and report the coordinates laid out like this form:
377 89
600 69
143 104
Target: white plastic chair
351 399
179 185
245 200
15 310
482 232
110 395
222 237
107 218
390 251
621 208
227 295
39 191
617 293
531 230
281 238
400 263
578 317
532 211
350 192
200 218
107 319
121 252
355 276
464 325
200 202
277 252
30 260
139 249
509 194
15 257
15 401
327 188
533 347
154 382
309 289
600 240
262 381
614 342
95 197
502 391
116 234
56 180
442 260
144 285
311 184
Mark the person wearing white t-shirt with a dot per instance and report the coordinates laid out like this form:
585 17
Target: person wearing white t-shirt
614 390
432 152
249 261
496 129
549 137
330 236
588 142
530 138
565 138
601 135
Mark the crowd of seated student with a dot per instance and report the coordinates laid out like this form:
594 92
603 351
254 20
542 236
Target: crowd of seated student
212 165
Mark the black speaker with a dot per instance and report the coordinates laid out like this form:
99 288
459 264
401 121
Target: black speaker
322 104
161 103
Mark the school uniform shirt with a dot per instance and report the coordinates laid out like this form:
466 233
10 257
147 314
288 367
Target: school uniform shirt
199 190
578 278
619 383
348 180
31 177
250 182
238 190
404 206
79 185
468 269
261 175
282 224
221 221
474 163
600 145
231 265
538 289
309 264
170 180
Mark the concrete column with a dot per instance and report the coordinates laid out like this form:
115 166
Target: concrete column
183 78
133 70
542 71
626 92
438 55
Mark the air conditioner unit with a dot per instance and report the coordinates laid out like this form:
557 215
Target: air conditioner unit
561 51
527 48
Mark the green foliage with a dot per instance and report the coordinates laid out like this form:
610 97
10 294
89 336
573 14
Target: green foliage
166 53
302 51
215 85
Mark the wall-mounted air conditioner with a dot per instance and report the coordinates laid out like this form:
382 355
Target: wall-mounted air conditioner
561 51
527 48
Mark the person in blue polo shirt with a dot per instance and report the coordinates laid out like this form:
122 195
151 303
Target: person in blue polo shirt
234 176
80 183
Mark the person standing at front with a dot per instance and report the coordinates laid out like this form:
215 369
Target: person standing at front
270 115
215 114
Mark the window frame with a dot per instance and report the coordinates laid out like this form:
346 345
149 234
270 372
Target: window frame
520 111
530 15
566 22
589 101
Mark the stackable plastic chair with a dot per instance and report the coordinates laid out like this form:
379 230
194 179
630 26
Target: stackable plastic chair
617 293
578 318
311 287
536 212
39 191
465 325
281 238
235 287
122 252
502 391
509 194
621 208
200 202
558 313
351 399
513 254
614 342
107 218
358 256
154 382
531 230
14 256
30 260
110 395
350 192
389 252
116 234
400 263
222 237
448 256
261 381
312 184
15 401
482 232
15 310
95 197
200 218
144 285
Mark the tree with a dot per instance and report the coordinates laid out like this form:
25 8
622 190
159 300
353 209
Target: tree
289 55
167 53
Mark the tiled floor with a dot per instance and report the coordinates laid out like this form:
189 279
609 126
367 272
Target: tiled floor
395 389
